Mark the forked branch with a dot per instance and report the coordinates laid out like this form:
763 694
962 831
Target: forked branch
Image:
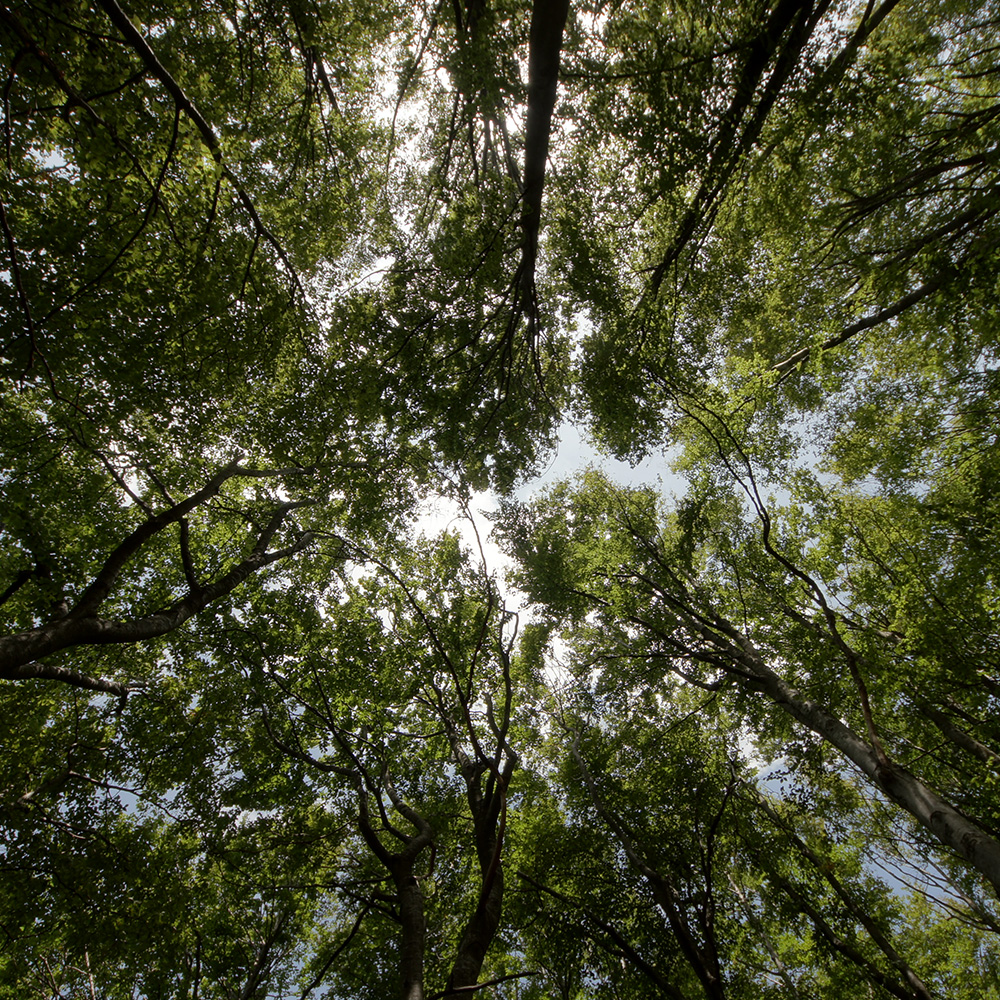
81 625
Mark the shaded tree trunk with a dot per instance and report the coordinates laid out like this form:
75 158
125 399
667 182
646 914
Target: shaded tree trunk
548 21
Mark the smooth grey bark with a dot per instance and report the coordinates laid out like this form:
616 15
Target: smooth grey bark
400 866
951 827
959 736
413 927
713 639
51 672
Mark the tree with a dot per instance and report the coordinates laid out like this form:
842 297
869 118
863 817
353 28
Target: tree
433 728
802 601
367 791
172 314
275 274
689 879
80 624
701 593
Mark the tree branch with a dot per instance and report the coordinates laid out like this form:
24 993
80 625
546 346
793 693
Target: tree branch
82 627
784 368
49 672
141 47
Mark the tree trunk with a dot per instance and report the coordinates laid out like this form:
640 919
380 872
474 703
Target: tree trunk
950 826
479 934
548 20
414 930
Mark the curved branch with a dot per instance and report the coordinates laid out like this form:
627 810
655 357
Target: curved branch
141 47
46 671
82 627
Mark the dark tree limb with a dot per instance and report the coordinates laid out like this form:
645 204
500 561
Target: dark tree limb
137 42
830 78
625 949
838 943
15 270
548 21
101 586
20 579
489 818
81 624
50 672
702 960
462 991
784 368
857 910
780 40
317 980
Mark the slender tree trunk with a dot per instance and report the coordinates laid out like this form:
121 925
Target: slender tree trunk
959 736
489 817
837 942
702 960
951 827
766 939
855 908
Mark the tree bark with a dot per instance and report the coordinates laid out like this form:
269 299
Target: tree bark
959 736
489 817
81 626
948 824
548 21
414 928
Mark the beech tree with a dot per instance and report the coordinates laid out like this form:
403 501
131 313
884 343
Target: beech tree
279 275
431 721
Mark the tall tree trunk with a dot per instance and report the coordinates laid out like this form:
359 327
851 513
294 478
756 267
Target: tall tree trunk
953 829
548 20
478 936
489 817
414 929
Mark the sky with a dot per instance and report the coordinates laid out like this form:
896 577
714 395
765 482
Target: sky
574 454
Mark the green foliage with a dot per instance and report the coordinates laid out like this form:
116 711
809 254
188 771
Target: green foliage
270 281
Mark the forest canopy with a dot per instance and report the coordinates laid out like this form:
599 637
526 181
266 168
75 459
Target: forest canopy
278 275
